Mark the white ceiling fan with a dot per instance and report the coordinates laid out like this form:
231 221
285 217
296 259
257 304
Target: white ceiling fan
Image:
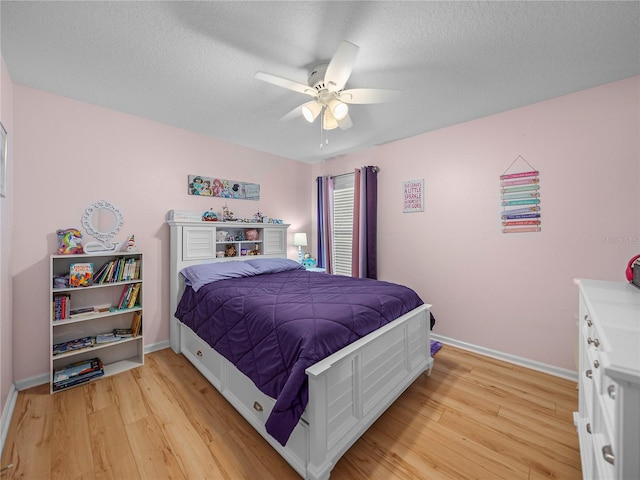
326 85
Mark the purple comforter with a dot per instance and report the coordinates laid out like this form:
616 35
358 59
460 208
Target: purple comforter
272 327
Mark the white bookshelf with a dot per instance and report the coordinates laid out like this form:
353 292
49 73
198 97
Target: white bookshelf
118 356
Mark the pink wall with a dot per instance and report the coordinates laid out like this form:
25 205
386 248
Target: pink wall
513 293
6 228
70 154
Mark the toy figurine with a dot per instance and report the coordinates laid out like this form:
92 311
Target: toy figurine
69 241
227 215
210 216
131 244
230 251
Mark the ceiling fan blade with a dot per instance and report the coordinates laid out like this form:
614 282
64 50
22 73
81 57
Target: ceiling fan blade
296 112
345 123
286 83
368 95
340 66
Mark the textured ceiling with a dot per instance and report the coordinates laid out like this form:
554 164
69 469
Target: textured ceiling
192 64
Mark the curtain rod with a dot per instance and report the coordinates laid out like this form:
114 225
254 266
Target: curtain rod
375 169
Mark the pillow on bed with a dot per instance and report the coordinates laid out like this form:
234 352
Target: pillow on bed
199 275
275 265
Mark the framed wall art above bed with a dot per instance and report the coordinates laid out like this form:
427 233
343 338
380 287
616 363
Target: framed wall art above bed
328 396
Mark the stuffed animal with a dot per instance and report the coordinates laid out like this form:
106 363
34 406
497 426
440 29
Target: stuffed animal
309 261
69 241
230 251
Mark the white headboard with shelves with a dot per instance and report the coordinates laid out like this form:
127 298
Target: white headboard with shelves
194 241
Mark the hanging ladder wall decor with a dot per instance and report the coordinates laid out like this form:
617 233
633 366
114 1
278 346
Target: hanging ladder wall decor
520 193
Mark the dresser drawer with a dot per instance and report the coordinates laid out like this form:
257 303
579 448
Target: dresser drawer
205 359
257 406
596 357
604 469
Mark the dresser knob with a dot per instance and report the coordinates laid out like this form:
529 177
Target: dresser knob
588 428
596 342
611 390
596 363
588 320
589 340
607 453
589 373
199 353
257 407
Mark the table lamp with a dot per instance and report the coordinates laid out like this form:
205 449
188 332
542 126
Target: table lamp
300 240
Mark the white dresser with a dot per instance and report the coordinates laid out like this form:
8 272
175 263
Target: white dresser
608 416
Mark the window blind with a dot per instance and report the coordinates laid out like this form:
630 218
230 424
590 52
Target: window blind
342 224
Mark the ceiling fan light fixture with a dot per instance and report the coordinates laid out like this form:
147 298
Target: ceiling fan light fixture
311 110
339 110
329 122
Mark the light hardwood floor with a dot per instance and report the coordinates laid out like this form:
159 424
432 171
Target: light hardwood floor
474 417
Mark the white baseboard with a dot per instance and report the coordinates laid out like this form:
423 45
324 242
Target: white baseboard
156 346
507 357
7 413
32 382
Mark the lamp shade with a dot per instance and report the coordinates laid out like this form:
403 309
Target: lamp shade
329 122
300 239
338 109
311 110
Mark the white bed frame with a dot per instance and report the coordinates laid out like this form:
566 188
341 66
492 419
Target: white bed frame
348 390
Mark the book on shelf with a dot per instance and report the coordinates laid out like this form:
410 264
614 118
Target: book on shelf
77 373
97 278
123 332
122 269
81 274
134 296
61 306
76 312
129 296
71 345
107 337
136 323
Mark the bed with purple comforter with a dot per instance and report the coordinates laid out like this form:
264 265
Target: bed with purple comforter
273 319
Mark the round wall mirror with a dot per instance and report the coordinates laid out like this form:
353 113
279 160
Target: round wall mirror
102 221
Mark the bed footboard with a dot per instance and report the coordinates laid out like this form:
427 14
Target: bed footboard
350 389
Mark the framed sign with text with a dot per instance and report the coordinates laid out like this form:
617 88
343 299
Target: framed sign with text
413 198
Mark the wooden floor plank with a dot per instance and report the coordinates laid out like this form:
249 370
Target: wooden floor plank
520 449
188 446
29 435
111 460
432 432
151 451
474 417
71 434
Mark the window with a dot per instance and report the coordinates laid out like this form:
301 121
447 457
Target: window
342 224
